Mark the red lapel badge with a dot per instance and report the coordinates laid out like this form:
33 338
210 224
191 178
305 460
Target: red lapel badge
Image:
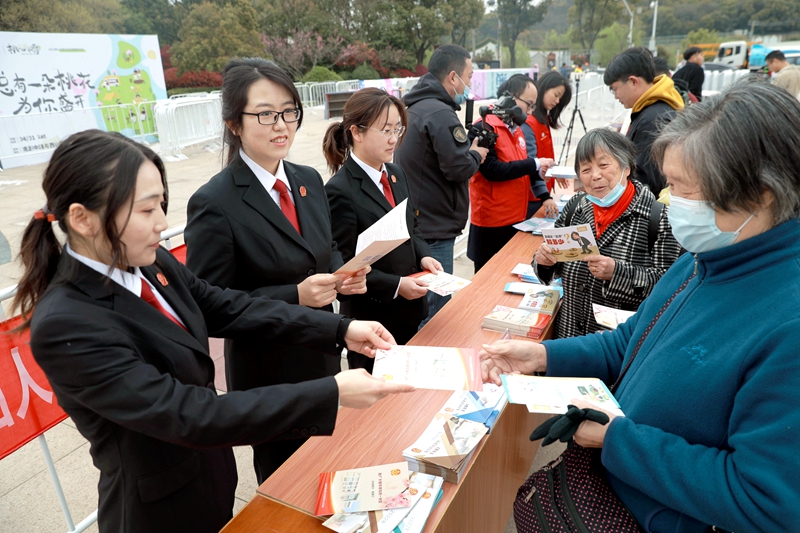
162 279
394 179
303 191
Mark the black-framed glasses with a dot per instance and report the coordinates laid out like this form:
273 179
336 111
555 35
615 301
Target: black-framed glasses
268 118
527 103
388 134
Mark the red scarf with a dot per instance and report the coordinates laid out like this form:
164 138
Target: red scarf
604 216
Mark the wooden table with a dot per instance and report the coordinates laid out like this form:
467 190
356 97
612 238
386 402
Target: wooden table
483 499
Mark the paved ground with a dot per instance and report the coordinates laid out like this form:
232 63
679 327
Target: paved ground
27 499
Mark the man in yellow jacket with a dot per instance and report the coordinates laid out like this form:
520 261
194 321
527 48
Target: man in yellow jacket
652 101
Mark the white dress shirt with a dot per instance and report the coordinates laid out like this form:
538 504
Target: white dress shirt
267 179
131 281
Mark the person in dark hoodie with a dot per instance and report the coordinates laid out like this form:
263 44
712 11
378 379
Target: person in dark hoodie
692 73
437 156
653 100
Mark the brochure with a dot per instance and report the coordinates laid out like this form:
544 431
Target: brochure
442 283
535 225
540 300
363 489
561 172
518 321
610 317
379 239
479 406
430 367
571 243
552 395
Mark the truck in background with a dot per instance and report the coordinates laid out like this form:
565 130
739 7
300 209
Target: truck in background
752 55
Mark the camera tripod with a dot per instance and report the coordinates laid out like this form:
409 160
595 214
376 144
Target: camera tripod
571 127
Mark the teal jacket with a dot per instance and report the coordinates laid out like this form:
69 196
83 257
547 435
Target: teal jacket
712 428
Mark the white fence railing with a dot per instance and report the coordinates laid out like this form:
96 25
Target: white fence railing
183 122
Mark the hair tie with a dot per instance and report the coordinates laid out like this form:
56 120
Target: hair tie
44 213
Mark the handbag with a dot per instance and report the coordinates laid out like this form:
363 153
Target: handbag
571 494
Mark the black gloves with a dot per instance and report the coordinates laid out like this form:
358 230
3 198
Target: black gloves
563 427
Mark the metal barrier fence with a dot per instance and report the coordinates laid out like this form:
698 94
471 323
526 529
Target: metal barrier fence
186 121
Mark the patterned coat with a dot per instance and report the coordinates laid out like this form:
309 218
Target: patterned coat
636 272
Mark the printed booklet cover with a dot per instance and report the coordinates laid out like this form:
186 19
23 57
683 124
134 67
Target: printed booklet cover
552 395
363 489
430 367
571 243
442 283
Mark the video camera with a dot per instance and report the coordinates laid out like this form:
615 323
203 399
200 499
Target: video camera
506 110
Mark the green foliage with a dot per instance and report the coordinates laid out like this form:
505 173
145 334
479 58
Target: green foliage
557 41
668 54
589 17
62 16
523 58
515 17
365 71
422 23
700 36
190 90
464 16
610 42
321 74
211 35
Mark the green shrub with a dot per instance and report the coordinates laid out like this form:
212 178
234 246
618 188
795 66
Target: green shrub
187 90
321 74
346 75
365 71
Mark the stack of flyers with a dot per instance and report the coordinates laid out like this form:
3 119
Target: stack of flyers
552 395
525 273
534 225
518 321
483 406
610 317
540 300
424 491
442 283
445 447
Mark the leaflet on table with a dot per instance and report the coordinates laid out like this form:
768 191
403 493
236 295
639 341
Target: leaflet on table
447 441
362 489
552 395
535 225
414 521
561 172
522 287
610 317
430 367
571 243
442 283
525 273
384 521
542 300
379 239
478 406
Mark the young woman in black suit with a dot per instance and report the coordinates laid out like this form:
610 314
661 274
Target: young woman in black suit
364 187
121 329
239 234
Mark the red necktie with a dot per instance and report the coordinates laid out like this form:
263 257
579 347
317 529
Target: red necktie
286 204
149 297
387 190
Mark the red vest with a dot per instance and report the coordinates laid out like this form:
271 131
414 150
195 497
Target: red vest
544 140
501 203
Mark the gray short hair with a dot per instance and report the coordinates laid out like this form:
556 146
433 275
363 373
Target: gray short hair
607 141
737 144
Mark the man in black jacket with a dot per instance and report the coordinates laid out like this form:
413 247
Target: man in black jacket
438 157
692 72
652 101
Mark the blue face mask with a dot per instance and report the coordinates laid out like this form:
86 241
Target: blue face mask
461 98
612 197
694 225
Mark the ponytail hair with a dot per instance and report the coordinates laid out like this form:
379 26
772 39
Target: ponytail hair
98 170
363 110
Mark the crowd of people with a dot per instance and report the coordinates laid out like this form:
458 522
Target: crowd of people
121 328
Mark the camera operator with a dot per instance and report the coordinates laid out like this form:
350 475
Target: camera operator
500 191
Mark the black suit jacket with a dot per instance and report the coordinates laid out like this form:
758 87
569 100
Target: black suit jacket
356 204
237 237
141 390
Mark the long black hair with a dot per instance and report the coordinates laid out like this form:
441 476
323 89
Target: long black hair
551 80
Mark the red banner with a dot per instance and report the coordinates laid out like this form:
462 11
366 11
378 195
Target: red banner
28 406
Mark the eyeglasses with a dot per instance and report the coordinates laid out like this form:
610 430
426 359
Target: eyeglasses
614 91
388 134
268 118
527 103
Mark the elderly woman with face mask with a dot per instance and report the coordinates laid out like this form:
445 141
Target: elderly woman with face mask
635 241
709 366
